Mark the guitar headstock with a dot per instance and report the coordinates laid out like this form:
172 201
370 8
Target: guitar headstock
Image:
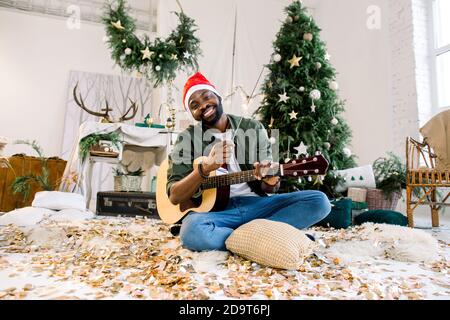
312 166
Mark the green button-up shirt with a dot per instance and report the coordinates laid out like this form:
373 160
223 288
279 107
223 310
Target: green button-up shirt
251 145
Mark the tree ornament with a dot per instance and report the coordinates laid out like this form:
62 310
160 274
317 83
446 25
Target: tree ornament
313 108
334 122
289 19
327 145
122 57
308 37
333 85
117 25
273 140
186 55
302 89
301 149
347 152
174 56
295 61
327 56
276 57
127 51
283 97
293 115
146 53
158 68
318 65
315 94
124 41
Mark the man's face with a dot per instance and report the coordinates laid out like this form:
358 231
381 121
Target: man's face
206 106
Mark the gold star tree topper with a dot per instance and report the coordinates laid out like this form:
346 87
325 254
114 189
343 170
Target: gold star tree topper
118 25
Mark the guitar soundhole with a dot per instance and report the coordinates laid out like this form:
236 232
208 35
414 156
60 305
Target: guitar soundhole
191 204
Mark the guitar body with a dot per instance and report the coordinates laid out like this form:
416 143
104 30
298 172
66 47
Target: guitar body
170 213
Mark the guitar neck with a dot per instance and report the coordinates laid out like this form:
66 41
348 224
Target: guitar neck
313 166
229 179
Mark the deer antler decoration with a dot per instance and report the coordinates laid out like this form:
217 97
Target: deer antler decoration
106 118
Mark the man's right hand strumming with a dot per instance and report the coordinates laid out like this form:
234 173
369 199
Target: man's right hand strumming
220 153
184 189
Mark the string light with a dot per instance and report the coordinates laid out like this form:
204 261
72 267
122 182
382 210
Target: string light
246 98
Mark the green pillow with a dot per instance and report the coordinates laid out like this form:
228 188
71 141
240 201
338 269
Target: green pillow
340 216
382 216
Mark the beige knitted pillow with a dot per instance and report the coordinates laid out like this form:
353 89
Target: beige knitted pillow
270 243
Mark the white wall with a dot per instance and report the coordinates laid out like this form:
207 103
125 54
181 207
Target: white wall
36 55
361 57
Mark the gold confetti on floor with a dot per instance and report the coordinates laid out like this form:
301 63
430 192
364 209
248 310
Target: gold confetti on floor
140 259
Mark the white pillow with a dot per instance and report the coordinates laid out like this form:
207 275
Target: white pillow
57 200
353 178
25 216
72 215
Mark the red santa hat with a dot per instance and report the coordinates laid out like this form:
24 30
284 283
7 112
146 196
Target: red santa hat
195 83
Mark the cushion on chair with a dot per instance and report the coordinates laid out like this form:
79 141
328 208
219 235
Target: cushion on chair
271 243
436 132
382 216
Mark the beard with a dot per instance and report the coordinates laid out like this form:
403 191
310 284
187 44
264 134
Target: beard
216 117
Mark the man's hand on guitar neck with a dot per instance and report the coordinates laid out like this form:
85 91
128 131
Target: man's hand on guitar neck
269 184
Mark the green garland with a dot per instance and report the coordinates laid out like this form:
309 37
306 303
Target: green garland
158 60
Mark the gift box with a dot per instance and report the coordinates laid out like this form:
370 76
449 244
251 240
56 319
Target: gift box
357 194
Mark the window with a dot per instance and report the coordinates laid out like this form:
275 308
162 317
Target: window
441 48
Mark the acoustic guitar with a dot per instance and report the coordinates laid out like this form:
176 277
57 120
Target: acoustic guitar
216 189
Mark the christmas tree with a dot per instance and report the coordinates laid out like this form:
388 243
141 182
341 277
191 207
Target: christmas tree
301 101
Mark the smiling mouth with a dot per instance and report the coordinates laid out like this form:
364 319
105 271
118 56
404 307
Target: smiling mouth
209 112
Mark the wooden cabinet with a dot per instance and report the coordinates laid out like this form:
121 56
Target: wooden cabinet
21 166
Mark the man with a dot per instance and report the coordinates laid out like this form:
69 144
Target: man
248 201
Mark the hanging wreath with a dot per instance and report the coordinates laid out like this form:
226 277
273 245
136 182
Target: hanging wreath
159 60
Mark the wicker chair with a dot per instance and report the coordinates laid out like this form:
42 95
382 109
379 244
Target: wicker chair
422 173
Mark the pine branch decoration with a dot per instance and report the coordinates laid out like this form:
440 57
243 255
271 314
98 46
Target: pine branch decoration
159 60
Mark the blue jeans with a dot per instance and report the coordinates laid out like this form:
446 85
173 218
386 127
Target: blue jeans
209 231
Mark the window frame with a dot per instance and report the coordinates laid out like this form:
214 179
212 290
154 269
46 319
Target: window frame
435 52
